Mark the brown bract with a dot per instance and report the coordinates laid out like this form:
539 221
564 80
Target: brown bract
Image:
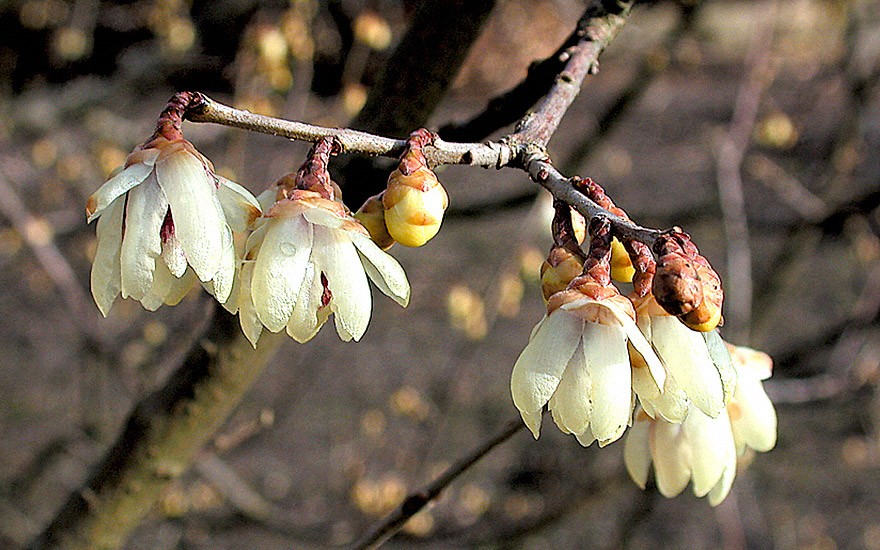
676 282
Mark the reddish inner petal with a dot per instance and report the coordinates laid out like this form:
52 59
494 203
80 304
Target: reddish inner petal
326 296
167 230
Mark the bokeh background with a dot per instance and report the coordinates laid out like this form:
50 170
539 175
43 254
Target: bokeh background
753 125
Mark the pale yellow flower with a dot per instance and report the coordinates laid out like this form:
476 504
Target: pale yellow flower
308 258
165 221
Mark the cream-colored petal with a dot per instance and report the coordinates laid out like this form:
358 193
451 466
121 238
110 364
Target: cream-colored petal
637 451
174 257
607 360
247 314
382 269
673 405
532 420
722 488
338 259
115 187
753 416
195 208
105 277
240 207
539 368
145 211
222 282
170 288
646 350
710 441
684 353
586 437
279 268
723 364
322 216
303 324
671 455
570 403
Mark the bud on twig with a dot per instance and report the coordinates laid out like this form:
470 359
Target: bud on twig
372 216
685 284
414 200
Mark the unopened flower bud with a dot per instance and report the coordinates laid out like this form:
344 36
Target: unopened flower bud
706 316
372 216
676 283
414 199
560 267
622 269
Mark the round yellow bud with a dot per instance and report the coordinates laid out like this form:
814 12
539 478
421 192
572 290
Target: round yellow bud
560 268
622 269
414 206
372 216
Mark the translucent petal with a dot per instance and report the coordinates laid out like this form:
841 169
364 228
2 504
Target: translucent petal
586 437
145 211
753 416
570 403
722 488
198 218
607 360
105 277
532 420
684 353
710 441
637 451
303 324
115 187
174 257
351 302
279 268
646 350
539 368
382 269
223 280
671 456
721 359
240 208
247 314
169 288
322 216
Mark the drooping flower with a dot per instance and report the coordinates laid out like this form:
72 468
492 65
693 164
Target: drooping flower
700 448
308 258
692 374
704 449
165 221
577 363
752 415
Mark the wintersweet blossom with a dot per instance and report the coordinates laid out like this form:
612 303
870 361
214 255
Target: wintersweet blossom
165 221
577 363
704 449
692 376
308 258
700 448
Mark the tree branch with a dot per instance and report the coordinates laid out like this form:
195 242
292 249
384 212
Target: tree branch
161 438
414 502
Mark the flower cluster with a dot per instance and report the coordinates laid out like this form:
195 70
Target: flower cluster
166 220
601 362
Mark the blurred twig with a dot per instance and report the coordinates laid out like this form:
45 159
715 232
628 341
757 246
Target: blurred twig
730 186
39 236
414 502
